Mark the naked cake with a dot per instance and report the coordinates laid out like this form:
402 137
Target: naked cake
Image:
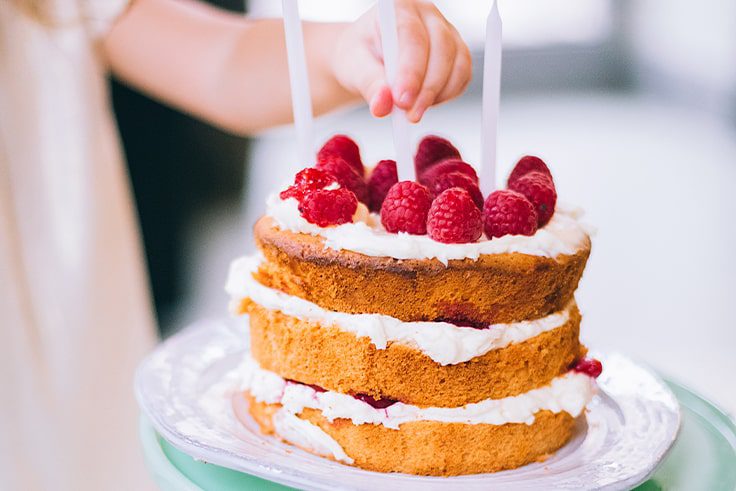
415 326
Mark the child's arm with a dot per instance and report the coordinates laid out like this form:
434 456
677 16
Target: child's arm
232 71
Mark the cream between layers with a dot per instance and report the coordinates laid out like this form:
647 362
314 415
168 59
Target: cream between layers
444 343
564 234
570 393
307 435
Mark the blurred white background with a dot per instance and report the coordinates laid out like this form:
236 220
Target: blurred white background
633 106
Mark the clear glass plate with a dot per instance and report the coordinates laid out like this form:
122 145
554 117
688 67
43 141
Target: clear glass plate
185 389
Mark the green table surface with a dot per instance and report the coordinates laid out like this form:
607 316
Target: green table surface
703 457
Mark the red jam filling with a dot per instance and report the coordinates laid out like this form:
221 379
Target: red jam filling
316 388
375 403
589 366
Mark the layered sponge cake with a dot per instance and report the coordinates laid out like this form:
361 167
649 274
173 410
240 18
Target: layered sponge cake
411 326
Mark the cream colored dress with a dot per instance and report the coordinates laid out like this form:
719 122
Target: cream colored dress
75 315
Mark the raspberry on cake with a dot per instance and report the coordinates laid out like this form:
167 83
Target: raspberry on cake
507 212
454 217
344 147
456 180
307 180
345 175
375 333
384 176
539 189
445 167
526 164
325 207
405 208
431 150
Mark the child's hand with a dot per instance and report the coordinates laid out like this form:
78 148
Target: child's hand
434 61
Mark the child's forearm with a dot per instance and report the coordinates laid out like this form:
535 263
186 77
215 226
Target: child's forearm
233 71
219 66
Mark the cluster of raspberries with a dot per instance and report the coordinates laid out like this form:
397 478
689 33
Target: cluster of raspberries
445 202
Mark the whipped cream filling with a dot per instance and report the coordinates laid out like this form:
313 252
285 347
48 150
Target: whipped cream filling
445 343
564 234
570 393
304 434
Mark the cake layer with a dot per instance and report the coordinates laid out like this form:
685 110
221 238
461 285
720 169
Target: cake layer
445 343
339 360
422 447
496 288
569 392
490 435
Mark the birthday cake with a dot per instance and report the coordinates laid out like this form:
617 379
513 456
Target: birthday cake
415 326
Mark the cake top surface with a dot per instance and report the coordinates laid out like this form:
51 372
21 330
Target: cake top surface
442 215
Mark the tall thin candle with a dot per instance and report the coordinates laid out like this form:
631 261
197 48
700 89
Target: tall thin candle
390 45
491 100
301 100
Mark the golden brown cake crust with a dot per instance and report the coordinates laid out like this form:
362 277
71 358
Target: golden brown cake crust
340 361
498 288
436 448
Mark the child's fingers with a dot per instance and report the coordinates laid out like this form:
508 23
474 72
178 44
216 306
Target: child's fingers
413 55
371 83
376 93
462 72
381 103
434 62
442 53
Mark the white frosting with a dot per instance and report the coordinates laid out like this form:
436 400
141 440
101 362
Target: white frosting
564 234
445 343
570 393
304 434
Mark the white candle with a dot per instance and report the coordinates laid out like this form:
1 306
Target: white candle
491 97
301 100
390 45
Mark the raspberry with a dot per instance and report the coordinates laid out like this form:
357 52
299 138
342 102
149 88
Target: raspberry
507 212
445 167
405 208
456 180
589 366
431 150
526 164
345 175
306 181
539 189
325 207
384 176
454 218
344 147
292 192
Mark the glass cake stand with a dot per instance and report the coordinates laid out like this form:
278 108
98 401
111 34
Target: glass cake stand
194 362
